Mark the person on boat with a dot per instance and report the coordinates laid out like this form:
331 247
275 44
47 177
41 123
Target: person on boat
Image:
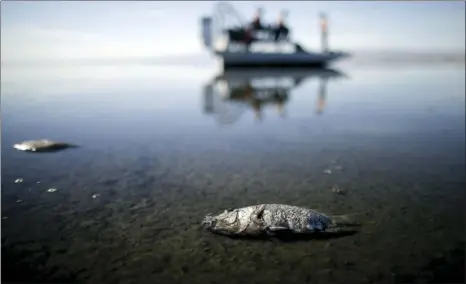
256 22
281 31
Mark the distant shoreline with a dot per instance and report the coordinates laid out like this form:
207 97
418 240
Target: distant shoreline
205 59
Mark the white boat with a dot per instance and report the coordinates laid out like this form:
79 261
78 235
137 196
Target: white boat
227 44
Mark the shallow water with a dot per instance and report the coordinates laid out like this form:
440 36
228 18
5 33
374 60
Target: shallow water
160 152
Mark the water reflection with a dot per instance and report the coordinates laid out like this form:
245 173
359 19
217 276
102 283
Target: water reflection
156 160
229 94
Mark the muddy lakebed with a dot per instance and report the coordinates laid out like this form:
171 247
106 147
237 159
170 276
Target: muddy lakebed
127 206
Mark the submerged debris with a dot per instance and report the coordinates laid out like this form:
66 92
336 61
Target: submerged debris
338 191
338 168
329 170
19 180
51 190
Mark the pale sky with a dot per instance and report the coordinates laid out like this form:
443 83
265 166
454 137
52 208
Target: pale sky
44 30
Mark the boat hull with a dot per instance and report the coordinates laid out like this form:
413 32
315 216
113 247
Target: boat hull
253 60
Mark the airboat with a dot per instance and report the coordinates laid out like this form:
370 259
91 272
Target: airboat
229 38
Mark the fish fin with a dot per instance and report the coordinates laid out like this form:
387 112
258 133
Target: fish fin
278 233
277 228
259 212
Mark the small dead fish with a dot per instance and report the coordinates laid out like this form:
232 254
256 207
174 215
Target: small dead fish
42 145
19 180
51 190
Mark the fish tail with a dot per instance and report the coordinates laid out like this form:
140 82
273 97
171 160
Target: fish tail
345 221
72 145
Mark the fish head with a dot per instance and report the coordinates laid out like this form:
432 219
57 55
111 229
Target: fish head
209 221
226 223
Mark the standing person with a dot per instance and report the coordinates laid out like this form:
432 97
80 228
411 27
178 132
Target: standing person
281 31
256 22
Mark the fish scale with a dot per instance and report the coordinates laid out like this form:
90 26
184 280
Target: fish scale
295 218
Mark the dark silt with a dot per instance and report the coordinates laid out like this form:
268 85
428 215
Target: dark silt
159 153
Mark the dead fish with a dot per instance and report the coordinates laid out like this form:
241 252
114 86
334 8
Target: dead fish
272 219
43 145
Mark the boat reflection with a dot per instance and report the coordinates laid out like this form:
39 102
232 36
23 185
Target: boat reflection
231 93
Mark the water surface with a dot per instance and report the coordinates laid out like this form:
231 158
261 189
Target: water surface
163 146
